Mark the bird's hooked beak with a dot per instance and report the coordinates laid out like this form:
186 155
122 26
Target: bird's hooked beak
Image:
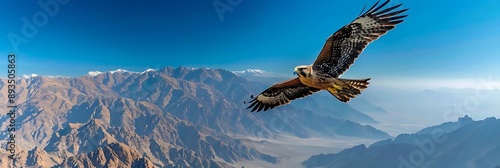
296 72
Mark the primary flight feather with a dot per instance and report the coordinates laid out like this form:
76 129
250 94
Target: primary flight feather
338 54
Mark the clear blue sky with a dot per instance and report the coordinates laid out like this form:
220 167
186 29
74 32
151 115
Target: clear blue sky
444 38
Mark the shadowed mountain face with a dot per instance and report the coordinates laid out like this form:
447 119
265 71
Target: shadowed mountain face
172 117
465 143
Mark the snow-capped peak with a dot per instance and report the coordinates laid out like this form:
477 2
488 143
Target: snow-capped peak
252 71
95 73
49 76
258 73
119 70
147 70
57 76
29 76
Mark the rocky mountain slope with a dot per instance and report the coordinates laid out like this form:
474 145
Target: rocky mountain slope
112 155
466 143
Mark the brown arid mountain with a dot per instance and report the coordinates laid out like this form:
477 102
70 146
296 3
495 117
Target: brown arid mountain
112 155
172 117
462 144
35 157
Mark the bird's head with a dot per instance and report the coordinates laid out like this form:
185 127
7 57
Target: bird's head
302 71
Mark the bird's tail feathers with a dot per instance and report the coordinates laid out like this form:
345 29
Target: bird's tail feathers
345 89
357 83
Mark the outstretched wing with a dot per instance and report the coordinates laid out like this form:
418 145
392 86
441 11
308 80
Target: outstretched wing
281 94
345 45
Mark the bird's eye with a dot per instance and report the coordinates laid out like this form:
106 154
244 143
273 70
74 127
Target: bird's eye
303 73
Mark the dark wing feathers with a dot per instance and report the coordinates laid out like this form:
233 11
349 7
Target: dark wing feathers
280 94
344 46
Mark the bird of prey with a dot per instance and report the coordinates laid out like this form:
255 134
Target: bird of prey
338 54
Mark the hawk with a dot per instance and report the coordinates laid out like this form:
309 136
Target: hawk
338 54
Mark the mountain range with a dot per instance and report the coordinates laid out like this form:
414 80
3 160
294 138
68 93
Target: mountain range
465 143
171 117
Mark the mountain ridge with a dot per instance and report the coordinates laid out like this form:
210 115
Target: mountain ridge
468 144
